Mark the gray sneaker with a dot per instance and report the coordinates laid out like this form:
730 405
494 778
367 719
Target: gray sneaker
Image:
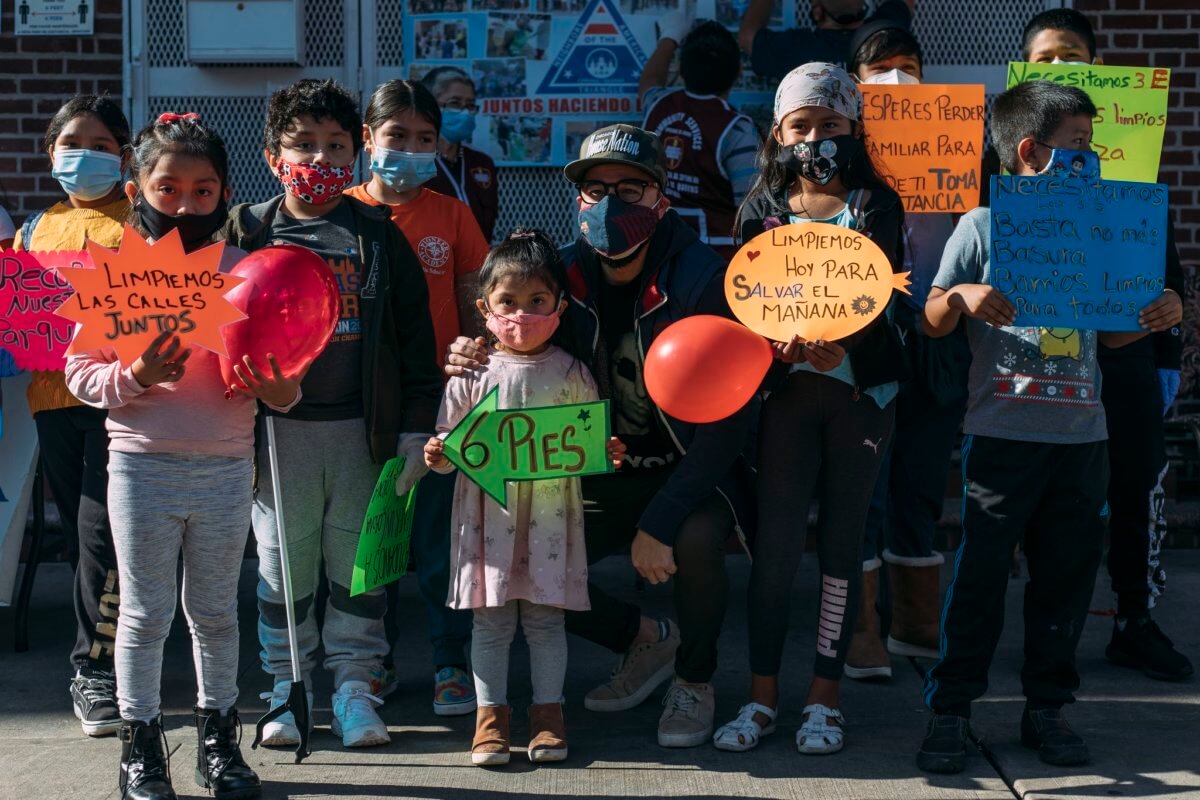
687 720
640 671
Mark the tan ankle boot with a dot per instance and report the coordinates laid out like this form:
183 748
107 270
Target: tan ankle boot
547 733
867 658
916 607
490 748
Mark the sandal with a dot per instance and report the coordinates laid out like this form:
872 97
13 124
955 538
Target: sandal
817 736
743 732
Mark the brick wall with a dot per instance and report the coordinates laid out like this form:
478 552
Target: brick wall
36 74
1163 33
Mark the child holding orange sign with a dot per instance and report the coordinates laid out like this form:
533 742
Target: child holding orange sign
830 414
180 469
912 485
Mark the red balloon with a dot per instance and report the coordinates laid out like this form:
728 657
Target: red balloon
291 301
706 368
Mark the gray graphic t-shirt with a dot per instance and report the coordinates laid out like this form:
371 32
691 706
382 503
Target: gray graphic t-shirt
1028 384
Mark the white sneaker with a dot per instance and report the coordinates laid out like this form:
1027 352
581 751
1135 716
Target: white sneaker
282 731
354 717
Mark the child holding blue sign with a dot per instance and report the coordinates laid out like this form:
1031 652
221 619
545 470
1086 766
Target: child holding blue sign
1034 459
527 559
830 412
1140 384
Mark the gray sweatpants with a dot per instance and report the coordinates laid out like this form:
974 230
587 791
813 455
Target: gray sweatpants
546 635
158 505
327 478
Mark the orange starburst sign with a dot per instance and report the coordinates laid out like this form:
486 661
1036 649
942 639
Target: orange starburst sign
141 290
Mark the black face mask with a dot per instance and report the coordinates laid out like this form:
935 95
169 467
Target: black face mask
618 263
196 230
821 160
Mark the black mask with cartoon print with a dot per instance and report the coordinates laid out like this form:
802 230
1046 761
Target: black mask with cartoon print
821 160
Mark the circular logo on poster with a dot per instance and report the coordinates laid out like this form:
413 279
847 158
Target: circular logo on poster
434 252
673 150
601 63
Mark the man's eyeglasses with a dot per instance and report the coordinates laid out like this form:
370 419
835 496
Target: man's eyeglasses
629 190
457 105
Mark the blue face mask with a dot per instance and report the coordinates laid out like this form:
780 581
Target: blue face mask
458 125
86 174
1072 164
402 170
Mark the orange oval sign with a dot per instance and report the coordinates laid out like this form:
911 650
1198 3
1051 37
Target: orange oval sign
810 279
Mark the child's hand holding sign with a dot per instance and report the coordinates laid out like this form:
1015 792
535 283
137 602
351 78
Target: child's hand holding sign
157 366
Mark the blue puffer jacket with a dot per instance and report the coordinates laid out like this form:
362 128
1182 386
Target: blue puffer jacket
683 277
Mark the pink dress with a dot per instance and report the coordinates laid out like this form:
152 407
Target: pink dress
534 550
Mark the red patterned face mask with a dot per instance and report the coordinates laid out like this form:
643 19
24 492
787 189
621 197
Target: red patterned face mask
312 183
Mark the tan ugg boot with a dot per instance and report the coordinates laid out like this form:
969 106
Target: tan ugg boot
490 747
916 607
547 733
867 658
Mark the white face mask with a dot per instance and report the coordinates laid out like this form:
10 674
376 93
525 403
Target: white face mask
892 76
1057 60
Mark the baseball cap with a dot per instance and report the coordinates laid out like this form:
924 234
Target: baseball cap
619 144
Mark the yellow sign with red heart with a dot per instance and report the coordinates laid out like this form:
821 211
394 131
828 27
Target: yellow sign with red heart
810 279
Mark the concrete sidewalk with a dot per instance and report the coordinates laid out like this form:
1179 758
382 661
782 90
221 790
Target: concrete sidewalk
1144 735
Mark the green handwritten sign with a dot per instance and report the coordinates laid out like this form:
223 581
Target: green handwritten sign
492 445
383 543
1131 105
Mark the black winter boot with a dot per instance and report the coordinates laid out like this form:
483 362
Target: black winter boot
219 763
145 767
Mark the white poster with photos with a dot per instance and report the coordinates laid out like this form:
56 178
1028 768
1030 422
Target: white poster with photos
548 72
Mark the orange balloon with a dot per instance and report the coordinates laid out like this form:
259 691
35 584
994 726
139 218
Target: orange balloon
810 279
705 368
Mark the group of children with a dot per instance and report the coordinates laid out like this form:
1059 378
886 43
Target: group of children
414 273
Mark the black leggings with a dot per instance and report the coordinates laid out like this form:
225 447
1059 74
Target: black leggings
1138 462
74 447
815 432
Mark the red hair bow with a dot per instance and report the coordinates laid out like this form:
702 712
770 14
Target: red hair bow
170 118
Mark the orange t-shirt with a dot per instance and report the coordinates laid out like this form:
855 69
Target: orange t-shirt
443 233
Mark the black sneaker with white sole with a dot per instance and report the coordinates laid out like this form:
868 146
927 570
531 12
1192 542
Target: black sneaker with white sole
1141 644
94 696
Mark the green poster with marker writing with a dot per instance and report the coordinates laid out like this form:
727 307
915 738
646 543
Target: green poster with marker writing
383 542
492 445
1131 112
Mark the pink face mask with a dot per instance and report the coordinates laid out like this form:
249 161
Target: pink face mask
523 332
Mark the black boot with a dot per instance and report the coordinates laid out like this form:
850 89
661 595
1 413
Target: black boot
145 767
219 763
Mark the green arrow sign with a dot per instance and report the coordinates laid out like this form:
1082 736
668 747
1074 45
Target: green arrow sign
492 445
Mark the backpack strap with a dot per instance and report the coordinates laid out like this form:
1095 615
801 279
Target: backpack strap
27 228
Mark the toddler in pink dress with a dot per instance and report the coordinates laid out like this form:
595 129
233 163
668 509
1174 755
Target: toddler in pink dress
525 562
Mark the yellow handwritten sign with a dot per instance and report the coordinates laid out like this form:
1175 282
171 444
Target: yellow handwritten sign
1131 106
142 290
812 280
927 140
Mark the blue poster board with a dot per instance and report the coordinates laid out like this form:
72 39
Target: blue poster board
1075 253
